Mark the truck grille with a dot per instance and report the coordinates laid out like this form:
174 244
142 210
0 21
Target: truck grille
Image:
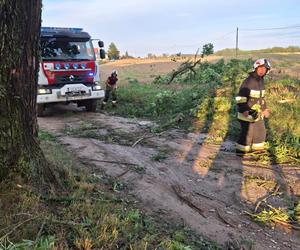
70 79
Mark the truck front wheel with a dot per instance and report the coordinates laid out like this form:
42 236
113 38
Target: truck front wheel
40 109
90 105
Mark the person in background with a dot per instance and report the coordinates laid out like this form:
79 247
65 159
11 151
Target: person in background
111 88
252 109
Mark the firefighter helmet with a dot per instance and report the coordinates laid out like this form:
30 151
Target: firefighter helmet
262 62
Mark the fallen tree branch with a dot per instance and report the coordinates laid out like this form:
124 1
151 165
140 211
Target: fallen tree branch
145 137
138 141
18 225
122 174
273 193
283 223
184 67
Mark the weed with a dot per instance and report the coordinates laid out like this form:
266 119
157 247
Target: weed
46 136
161 155
43 243
240 244
294 212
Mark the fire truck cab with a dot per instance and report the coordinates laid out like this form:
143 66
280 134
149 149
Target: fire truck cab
68 69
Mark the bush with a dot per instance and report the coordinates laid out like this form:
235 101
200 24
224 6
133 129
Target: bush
216 73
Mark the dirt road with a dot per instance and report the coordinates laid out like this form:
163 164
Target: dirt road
179 176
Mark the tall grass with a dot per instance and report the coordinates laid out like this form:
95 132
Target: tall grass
284 131
160 103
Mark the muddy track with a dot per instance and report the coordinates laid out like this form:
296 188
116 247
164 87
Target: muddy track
181 177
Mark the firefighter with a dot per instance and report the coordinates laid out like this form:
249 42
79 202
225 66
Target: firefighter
111 88
252 109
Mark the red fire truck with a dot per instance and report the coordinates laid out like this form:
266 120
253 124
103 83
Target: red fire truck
68 70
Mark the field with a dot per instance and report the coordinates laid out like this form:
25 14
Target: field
144 70
159 171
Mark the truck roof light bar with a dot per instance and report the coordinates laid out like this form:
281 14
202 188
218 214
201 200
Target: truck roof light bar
59 29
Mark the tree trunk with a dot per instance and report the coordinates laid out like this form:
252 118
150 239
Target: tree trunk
20 154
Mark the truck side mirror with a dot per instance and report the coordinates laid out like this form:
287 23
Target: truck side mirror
102 53
101 44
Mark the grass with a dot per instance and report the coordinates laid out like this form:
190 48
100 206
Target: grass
40 244
91 212
160 103
161 155
46 136
284 131
205 102
294 212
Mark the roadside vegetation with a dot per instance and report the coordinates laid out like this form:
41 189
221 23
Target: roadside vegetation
92 211
89 211
204 101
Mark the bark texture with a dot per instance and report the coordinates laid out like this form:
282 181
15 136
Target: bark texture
20 154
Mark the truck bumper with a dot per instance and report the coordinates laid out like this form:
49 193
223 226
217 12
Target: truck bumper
70 93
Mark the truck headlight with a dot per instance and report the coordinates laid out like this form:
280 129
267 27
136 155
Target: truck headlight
96 87
44 91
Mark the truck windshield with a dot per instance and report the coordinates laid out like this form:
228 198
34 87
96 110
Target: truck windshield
62 49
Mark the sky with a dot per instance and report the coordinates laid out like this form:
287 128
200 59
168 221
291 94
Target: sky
172 26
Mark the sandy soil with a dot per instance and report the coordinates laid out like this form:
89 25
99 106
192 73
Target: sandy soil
181 177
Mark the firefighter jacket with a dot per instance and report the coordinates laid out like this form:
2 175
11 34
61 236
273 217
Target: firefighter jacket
112 80
251 98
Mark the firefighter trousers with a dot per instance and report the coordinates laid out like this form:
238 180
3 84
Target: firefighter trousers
252 136
110 90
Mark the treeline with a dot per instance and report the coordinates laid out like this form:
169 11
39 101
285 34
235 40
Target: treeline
232 51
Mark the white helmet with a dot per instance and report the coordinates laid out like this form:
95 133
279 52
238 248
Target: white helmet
262 62
114 72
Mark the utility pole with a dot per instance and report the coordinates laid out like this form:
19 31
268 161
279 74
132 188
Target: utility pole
237 42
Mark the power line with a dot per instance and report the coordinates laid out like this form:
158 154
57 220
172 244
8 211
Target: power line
274 28
291 34
272 35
